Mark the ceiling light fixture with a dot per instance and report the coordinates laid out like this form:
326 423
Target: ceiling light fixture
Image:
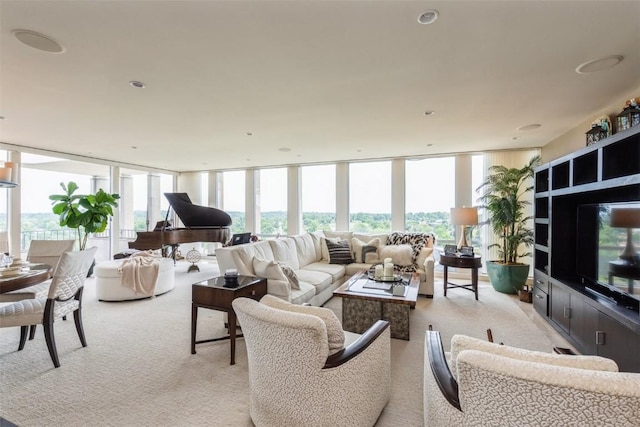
529 127
38 41
428 17
284 149
429 113
248 133
137 84
599 64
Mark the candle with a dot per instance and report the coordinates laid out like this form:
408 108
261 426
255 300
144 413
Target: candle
379 271
388 261
388 270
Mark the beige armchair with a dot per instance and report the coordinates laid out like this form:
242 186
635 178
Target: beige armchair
294 381
496 385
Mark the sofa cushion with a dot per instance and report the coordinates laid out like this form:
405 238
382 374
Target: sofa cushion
317 237
401 255
302 295
305 249
339 252
318 279
284 251
335 334
361 249
356 267
242 256
277 282
337 271
369 237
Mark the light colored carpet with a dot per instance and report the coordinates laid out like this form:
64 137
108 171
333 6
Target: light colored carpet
138 370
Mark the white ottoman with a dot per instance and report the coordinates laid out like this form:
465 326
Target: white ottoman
109 288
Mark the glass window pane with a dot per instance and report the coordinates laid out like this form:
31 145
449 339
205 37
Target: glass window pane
233 199
318 189
273 201
370 197
427 206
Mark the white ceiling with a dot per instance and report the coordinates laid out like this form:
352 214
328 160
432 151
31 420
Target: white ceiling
330 80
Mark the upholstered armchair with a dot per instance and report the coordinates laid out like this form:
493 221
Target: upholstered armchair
293 378
495 385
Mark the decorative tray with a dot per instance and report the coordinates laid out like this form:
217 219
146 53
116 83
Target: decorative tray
395 278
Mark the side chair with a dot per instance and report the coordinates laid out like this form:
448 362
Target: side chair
45 252
65 297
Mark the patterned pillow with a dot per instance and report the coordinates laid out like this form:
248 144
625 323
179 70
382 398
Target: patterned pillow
339 252
358 246
291 276
372 251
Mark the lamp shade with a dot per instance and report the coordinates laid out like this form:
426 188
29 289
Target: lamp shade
625 218
464 216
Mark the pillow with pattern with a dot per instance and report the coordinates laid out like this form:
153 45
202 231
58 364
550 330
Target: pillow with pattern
291 275
339 252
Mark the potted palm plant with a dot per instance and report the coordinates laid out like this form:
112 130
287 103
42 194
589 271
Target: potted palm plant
503 196
87 213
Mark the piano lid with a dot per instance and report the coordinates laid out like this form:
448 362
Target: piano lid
196 216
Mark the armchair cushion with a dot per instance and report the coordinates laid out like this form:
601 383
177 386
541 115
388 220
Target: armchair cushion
461 343
335 334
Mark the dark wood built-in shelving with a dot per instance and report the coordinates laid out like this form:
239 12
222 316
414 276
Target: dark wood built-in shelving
602 323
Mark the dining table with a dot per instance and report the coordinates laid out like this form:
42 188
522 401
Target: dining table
23 276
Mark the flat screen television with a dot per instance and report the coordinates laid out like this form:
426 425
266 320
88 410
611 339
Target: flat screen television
608 241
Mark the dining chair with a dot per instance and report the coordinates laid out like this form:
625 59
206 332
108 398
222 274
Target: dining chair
65 297
40 252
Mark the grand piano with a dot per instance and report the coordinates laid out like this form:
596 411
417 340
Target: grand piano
202 224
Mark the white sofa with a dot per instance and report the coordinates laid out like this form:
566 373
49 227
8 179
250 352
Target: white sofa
307 255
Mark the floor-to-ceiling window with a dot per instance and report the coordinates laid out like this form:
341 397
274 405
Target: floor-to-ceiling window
370 197
273 201
318 189
430 194
233 199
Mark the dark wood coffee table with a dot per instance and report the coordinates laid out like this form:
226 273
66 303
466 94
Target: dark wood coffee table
362 307
214 295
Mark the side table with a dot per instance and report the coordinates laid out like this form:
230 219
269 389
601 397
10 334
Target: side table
214 295
472 262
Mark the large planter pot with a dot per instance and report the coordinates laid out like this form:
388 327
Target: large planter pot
507 278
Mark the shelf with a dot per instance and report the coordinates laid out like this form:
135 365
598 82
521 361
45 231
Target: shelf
8 184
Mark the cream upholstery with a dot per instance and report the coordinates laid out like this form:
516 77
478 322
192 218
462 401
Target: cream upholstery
294 381
505 386
64 297
45 252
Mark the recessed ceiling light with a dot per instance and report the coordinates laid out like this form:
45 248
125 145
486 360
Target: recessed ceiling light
284 149
135 83
530 127
515 137
248 133
429 145
38 41
1 117
134 147
599 64
428 17
429 113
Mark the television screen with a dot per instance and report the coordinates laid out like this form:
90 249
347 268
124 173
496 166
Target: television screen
609 237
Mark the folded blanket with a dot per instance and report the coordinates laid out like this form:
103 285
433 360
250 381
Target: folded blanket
140 273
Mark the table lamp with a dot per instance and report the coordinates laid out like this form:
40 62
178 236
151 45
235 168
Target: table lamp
464 217
628 218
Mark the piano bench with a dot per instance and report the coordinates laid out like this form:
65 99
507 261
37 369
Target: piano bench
109 287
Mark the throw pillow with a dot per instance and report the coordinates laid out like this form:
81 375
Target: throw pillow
422 257
291 276
324 250
358 246
372 251
401 255
339 252
277 284
335 334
